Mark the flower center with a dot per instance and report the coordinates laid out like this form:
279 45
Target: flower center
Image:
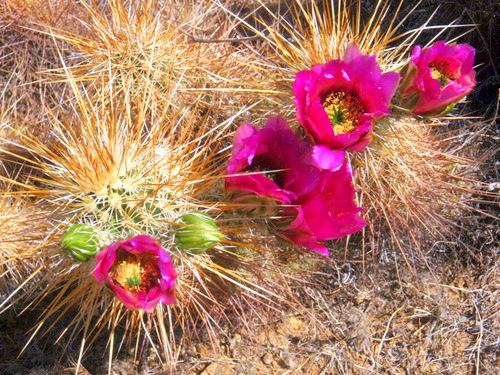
270 175
438 72
135 272
344 110
265 166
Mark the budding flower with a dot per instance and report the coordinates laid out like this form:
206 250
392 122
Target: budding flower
80 242
198 234
437 77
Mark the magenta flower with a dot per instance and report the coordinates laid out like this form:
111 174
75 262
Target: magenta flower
138 271
438 77
337 102
272 172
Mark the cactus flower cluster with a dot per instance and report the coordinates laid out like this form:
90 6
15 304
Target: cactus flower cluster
301 184
306 186
274 164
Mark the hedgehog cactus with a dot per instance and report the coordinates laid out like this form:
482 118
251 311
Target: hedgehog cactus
174 221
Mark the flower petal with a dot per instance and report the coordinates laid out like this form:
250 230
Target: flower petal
326 158
314 180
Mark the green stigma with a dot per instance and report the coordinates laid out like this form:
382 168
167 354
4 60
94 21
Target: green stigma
270 175
337 115
134 281
442 79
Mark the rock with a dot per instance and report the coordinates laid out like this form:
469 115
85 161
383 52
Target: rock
267 359
288 362
218 369
234 341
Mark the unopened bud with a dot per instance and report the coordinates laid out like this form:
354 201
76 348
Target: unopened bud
80 242
197 233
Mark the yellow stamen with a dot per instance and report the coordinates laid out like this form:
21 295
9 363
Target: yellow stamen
126 273
437 72
345 110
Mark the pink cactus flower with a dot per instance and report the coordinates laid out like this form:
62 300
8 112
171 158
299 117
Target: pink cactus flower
138 271
437 77
337 102
272 173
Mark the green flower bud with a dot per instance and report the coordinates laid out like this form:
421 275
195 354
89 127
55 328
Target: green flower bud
199 234
80 242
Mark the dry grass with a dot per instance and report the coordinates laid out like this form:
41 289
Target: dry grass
444 322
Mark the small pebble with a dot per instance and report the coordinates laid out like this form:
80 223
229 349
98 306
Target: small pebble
267 359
